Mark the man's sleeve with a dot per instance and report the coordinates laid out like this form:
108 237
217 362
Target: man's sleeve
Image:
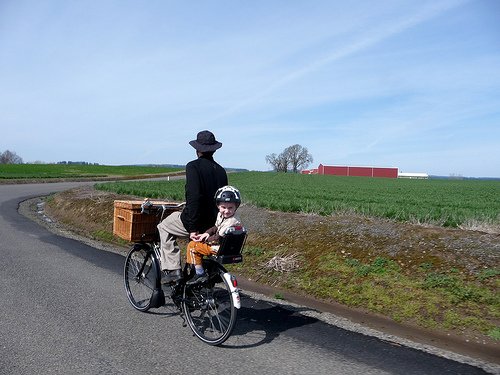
193 193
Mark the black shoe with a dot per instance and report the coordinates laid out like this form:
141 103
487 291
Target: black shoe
171 276
198 279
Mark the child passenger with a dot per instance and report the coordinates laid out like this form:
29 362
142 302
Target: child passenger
227 199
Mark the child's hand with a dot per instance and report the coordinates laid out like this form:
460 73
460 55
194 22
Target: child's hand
194 237
198 237
203 237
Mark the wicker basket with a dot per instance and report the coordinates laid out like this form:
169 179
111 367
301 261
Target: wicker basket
132 225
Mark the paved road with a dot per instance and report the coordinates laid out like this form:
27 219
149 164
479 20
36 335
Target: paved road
63 311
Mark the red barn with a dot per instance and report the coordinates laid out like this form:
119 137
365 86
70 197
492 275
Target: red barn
337 170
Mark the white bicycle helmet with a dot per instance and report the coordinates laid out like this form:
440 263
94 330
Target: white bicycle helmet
228 194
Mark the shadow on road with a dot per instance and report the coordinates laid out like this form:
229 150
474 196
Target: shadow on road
260 322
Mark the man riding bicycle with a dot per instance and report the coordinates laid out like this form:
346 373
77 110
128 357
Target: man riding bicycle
203 178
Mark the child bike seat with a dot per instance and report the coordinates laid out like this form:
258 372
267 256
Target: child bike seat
231 245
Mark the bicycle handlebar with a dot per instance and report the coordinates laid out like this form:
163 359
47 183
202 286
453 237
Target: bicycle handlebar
147 205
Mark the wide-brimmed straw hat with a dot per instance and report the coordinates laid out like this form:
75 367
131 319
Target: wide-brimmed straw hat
205 142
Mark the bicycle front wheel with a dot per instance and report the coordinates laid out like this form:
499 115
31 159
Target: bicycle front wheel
209 309
140 275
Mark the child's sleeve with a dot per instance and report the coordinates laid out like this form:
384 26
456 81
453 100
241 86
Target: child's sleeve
211 231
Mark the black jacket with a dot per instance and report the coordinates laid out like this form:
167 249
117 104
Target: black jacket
203 177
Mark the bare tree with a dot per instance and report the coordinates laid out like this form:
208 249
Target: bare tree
278 162
10 157
298 157
292 158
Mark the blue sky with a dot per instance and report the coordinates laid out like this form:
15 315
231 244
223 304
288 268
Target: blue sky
410 84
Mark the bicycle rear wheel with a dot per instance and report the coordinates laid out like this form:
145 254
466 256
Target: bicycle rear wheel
209 308
140 276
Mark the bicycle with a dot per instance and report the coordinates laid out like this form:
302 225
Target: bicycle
210 308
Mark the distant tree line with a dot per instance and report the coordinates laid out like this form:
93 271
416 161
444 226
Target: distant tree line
292 158
10 157
76 163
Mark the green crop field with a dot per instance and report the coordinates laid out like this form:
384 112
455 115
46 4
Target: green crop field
38 171
450 203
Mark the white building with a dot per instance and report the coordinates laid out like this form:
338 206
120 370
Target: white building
413 175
